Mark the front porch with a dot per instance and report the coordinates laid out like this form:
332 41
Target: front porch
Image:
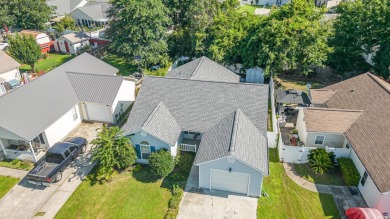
22 150
189 145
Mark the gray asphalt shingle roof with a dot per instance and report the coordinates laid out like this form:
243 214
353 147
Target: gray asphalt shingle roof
30 109
162 124
95 10
235 135
204 69
292 97
64 7
198 105
95 88
7 63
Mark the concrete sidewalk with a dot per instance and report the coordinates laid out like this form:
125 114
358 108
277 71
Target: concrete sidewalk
20 174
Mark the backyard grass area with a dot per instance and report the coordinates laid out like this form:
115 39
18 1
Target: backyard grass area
52 61
250 9
289 200
128 195
17 164
158 72
6 183
297 84
269 123
125 68
332 178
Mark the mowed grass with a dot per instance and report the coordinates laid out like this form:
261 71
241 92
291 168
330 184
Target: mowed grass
125 67
128 195
6 184
52 61
250 9
17 164
290 201
334 177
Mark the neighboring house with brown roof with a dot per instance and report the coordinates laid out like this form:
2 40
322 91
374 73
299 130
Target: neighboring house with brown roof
9 73
71 43
363 116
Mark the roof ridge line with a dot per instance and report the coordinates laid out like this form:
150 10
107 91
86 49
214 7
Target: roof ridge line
198 66
152 114
234 131
221 82
333 109
377 80
83 73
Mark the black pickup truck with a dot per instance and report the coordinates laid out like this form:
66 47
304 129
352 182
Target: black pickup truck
58 157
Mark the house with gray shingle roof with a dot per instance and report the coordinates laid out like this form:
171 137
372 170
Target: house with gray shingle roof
9 73
223 122
92 14
44 111
352 121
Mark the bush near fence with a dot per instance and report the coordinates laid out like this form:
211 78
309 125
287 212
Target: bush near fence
348 170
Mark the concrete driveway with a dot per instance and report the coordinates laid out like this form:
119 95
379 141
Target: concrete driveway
26 200
205 204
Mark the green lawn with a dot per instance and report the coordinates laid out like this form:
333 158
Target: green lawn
6 183
52 61
125 68
269 123
250 9
289 200
332 178
17 164
128 195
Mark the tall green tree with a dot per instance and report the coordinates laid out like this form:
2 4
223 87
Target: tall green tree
139 28
66 23
25 49
112 152
361 28
293 38
29 14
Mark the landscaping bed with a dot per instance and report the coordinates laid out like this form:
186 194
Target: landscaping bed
6 184
334 177
17 164
288 200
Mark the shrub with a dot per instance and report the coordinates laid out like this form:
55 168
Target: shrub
294 131
177 193
348 170
161 163
320 160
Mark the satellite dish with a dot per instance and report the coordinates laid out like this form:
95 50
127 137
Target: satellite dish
308 85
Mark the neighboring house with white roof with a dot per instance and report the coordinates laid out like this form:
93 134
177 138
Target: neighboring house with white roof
202 107
351 119
39 114
92 14
42 39
71 43
64 7
9 73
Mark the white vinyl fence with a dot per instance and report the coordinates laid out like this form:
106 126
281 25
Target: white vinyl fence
294 154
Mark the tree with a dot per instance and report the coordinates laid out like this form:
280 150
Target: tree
113 152
139 28
320 160
25 49
66 23
361 28
292 38
161 163
29 14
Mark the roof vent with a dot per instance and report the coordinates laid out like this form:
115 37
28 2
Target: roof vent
351 90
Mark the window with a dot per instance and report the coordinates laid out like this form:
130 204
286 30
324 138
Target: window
72 148
145 151
348 145
41 138
74 112
319 140
364 178
67 153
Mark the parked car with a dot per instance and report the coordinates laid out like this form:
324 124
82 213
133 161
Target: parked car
57 159
155 68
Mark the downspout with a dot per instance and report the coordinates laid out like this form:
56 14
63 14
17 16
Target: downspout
32 150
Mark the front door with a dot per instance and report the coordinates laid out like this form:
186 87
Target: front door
67 47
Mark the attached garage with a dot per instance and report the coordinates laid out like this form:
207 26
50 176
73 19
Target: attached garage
230 181
97 112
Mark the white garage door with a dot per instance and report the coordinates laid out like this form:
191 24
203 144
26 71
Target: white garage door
229 181
97 112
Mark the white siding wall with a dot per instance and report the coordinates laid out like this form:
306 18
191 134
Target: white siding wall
384 203
96 112
62 127
256 178
333 140
42 38
124 97
12 74
301 126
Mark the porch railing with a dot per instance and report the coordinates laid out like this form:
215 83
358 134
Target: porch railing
20 155
187 147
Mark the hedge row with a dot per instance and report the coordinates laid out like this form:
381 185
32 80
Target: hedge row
348 170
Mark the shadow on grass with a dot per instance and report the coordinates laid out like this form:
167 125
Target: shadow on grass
329 206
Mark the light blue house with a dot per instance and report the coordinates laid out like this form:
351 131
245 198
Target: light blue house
223 121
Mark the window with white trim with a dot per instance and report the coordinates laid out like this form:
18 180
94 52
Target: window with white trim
364 178
74 113
145 151
319 140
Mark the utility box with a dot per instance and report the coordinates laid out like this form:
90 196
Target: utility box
255 75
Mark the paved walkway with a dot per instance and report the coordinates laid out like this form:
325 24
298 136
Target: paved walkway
20 174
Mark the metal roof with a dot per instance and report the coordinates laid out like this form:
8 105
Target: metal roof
7 63
204 69
162 125
198 105
235 135
32 108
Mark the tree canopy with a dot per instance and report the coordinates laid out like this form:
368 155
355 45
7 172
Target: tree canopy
139 28
66 23
25 49
29 14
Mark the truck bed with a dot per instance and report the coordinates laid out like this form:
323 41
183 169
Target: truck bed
42 170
